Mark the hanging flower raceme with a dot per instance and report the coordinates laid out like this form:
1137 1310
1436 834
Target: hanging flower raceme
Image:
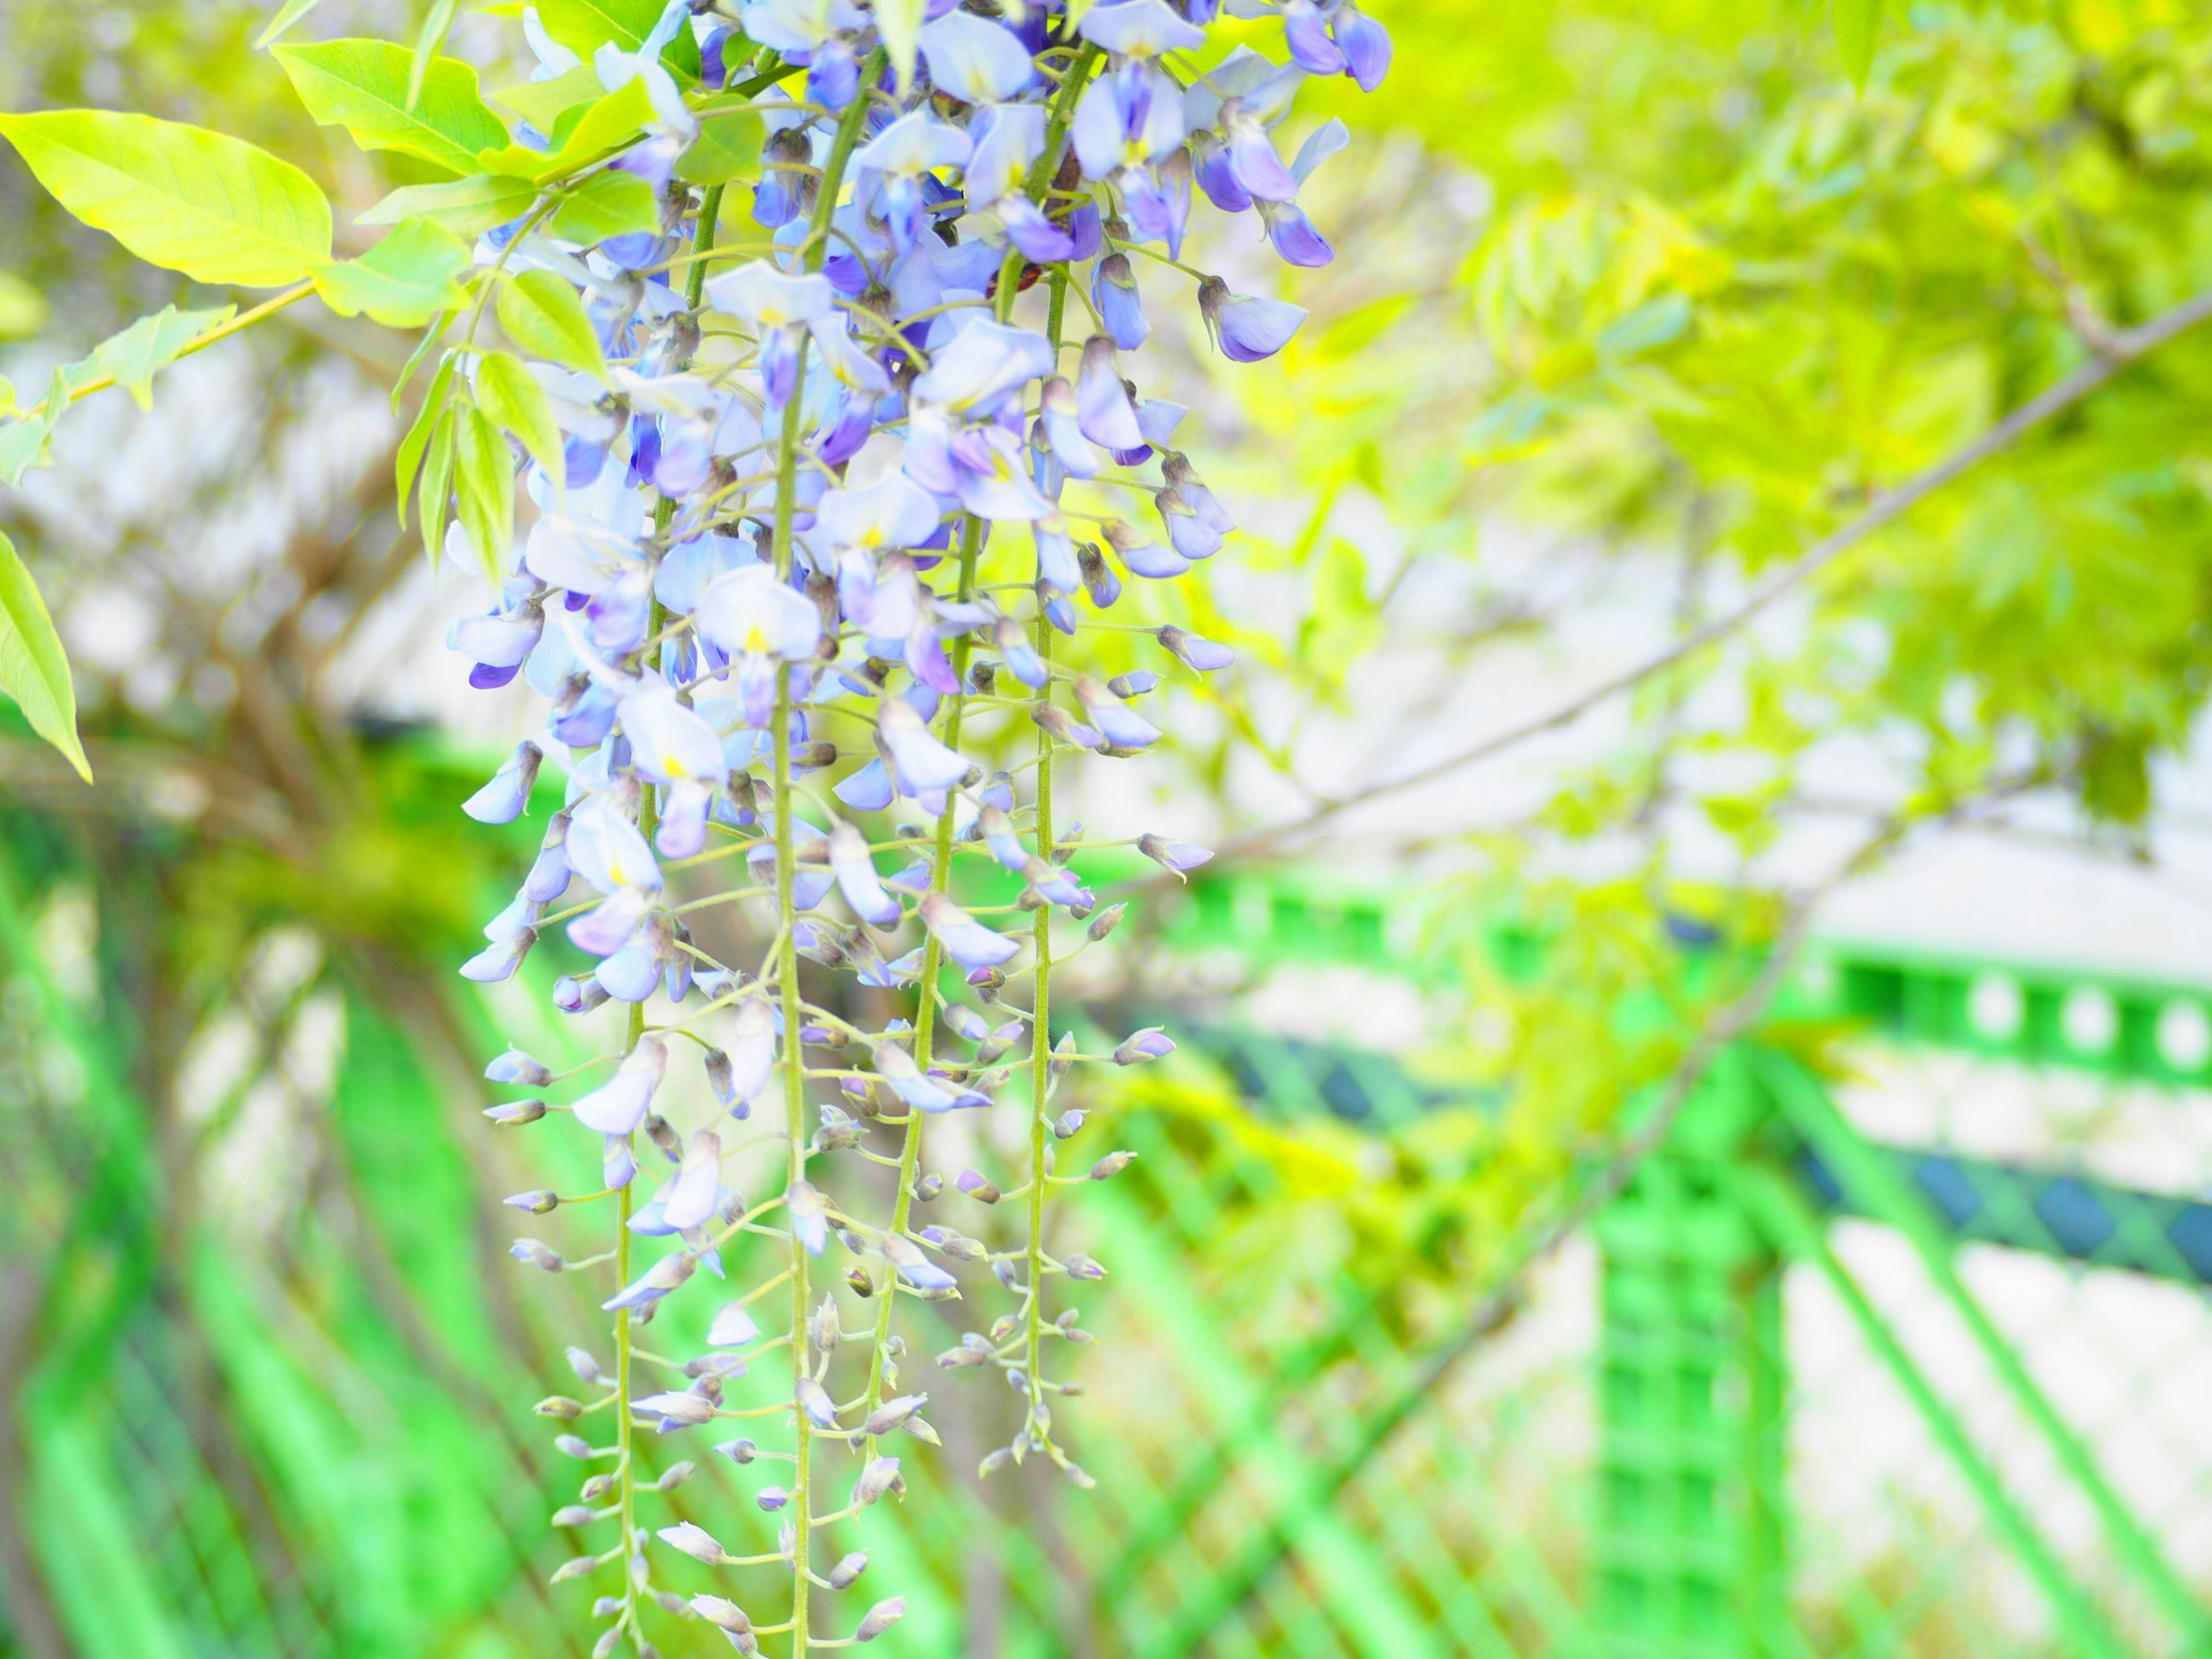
821 503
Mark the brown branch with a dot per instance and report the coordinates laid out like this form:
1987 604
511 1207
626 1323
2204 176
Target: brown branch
2122 349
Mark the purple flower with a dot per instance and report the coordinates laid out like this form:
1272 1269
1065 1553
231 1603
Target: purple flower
694 1541
1021 657
1192 536
882 1616
965 939
1293 234
1113 291
758 621
904 1078
867 790
669 1274
499 960
1152 560
1178 856
1041 241
981 364
501 801
1140 28
1008 139
548 875
1130 115
1307 36
1193 652
857 879
1366 45
1247 329
696 1192
1060 420
915 144
733 1327
1150 1043
1118 723
618 1106
975 59
1210 163
1103 412
1252 155
924 764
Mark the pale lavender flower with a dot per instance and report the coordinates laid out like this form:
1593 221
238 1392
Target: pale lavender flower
1247 329
857 879
1193 652
501 801
1118 723
965 939
618 1106
1178 856
975 59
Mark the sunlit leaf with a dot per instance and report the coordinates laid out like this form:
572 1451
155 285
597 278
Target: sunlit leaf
362 86
414 448
467 207
483 474
34 668
287 15
585 26
728 147
22 308
436 25
543 103
608 204
604 127
151 343
900 22
512 396
404 281
542 316
213 207
1858 26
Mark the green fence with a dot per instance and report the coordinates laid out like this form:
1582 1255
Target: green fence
1836 1374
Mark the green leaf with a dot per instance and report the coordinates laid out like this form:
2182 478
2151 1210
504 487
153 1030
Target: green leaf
728 147
542 316
900 22
7 396
437 493
213 207
423 348
543 103
34 668
287 15
1858 26
585 26
435 27
607 203
361 86
483 471
605 126
154 343
511 395
404 281
467 207
22 308
23 444
414 448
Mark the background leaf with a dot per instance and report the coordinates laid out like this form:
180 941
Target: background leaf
404 281
1858 26
22 308
34 668
287 15
585 26
215 208
362 86
467 207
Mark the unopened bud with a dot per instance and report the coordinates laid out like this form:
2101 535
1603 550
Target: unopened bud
1080 1266
694 1541
892 1413
596 1488
772 1499
1106 921
516 1067
881 1617
536 1254
605 1645
858 1281
677 1474
973 1182
1067 1123
574 1515
587 1368
927 1188
573 1445
575 1569
1150 1043
850 1568
997 1461
606 1607
1111 1165
516 1112
880 1476
1063 1056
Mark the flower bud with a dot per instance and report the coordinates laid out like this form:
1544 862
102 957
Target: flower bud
516 1067
927 1188
772 1499
694 1541
674 1476
605 1646
814 1400
1063 1056
560 1405
1111 1165
723 1615
1067 1123
574 1446
881 1475
575 1515
892 1413
587 1368
575 1568
516 1112
1150 1043
973 1182
674 1605
881 1617
858 1281
1080 1266
572 995
596 1488
738 1451
1105 922
606 1607
850 1568
995 1461
539 1202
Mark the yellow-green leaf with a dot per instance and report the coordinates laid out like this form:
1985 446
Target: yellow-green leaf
213 207
728 147
437 492
604 127
154 343
414 448
22 308
543 103
585 26
287 15
435 24
467 207
361 86
1858 26
484 472
512 396
404 281
608 204
542 316
900 22
34 668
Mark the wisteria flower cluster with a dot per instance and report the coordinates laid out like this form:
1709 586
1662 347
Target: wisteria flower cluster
806 469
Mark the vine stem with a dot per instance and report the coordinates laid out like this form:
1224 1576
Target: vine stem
787 967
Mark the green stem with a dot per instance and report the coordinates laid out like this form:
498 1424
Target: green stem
1042 169
933 964
786 968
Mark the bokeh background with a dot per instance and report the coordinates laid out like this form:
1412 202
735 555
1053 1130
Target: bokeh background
1721 1174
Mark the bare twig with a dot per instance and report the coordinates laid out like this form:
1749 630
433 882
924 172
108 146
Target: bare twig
2125 348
